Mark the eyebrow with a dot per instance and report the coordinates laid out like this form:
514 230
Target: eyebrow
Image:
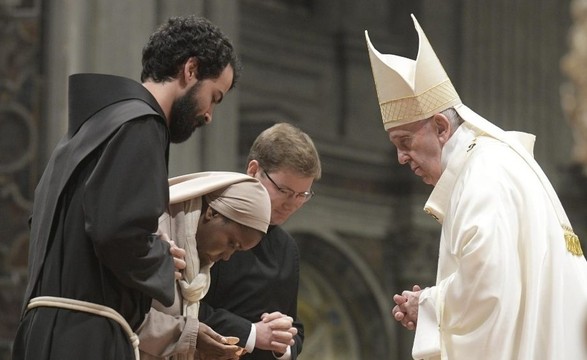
285 187
400 136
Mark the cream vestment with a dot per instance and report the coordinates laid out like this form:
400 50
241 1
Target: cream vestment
512 277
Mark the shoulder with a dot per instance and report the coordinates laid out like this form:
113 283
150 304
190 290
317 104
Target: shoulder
277 232
492 168
279 236
491 157
146 127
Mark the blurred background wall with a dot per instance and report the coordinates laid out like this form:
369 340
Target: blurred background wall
364 236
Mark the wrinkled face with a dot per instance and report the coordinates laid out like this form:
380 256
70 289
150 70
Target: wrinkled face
195 108
285 194
218 237
419 145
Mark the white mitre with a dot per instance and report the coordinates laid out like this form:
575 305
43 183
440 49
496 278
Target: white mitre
412 90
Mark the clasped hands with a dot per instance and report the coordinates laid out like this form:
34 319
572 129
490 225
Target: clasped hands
275 332
406 309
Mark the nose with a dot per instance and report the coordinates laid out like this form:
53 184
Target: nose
293 203
402 157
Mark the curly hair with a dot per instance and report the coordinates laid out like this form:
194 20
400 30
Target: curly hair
181 38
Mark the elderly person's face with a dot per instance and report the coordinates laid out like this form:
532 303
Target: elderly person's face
419 144
219 237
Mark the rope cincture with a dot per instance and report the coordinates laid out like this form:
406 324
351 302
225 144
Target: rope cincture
88 307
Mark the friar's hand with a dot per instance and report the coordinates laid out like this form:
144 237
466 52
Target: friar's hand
178 255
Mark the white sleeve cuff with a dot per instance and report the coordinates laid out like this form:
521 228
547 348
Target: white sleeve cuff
286 356
427 338
250 345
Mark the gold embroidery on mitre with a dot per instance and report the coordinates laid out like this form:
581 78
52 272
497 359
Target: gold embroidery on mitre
424 103
572 241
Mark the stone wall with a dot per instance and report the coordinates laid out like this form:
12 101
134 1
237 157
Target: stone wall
21 83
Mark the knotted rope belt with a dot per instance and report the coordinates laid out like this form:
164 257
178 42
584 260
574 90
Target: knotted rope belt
88 307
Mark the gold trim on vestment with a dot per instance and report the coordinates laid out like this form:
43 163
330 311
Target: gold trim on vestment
572 241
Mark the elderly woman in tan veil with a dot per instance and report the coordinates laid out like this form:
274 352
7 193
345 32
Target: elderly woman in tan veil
211 215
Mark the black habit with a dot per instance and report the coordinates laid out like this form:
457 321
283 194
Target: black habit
92 229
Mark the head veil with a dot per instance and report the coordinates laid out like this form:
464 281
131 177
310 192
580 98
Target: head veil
239 197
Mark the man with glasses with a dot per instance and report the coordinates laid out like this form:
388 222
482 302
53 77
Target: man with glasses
253 296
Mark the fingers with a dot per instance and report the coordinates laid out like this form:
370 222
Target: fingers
178 256
275 332
176 251
266 317
180 263
400 299
406 294
278 347
281 340
416 288
207 330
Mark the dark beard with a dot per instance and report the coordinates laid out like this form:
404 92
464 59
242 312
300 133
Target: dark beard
184 118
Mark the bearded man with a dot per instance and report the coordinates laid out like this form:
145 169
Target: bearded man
96 260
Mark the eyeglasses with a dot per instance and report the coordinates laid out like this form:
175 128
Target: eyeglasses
290 194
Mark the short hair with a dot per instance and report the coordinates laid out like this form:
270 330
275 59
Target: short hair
181 38
284 146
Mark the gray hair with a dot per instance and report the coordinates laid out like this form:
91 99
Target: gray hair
454 118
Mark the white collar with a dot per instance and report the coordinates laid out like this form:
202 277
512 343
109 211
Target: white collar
454 153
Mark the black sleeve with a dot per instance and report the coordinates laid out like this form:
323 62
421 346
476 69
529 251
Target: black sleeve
299 339
225 322
123 199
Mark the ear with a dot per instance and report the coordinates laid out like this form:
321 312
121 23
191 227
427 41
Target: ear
443 128
190 70
209 214
253 168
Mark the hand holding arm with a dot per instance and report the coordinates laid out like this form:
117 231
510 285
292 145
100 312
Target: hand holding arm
178 255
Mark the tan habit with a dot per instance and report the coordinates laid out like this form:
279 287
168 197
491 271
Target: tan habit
239 197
